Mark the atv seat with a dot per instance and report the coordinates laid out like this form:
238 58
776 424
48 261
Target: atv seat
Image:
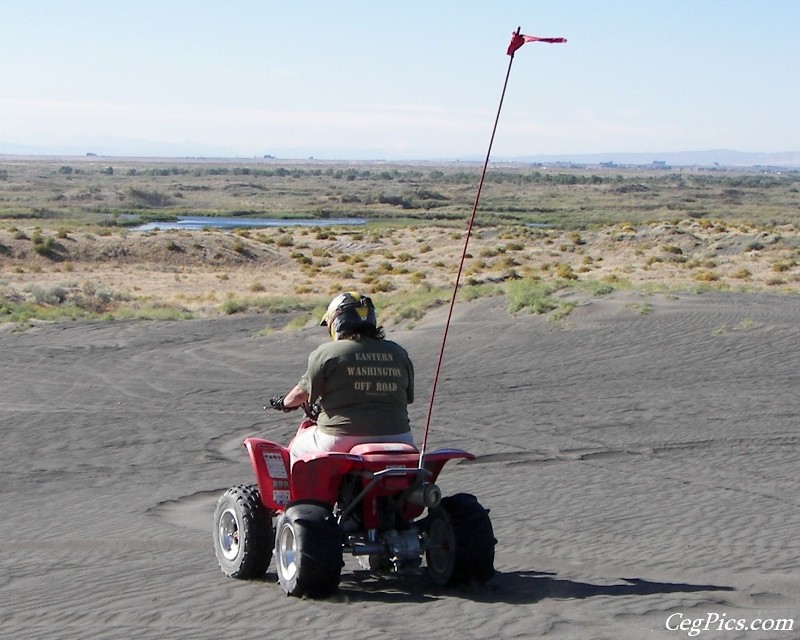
383 448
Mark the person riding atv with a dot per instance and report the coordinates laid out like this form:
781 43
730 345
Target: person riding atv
361 381
351 482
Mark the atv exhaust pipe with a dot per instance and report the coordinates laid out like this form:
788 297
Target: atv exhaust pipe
426 494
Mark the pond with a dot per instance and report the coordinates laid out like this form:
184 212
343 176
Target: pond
194 223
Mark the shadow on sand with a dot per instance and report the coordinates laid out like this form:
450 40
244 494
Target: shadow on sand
516 587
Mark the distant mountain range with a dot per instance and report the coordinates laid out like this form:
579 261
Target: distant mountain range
712 158
716 157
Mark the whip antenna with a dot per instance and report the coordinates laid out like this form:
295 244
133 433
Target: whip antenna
517 40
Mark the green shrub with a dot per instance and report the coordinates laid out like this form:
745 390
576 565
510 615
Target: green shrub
301 258
233 306
531 295
565 271
53 295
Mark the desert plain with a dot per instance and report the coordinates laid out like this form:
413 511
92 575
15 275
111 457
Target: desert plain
630 390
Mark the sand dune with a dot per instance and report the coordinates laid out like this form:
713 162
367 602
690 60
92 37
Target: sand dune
639 462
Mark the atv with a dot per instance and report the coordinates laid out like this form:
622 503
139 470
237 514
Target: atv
368 503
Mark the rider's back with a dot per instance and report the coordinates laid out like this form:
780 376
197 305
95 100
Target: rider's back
365 385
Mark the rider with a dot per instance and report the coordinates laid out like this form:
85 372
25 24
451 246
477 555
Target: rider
362 381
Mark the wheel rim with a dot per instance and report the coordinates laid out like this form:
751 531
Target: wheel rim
287 553
440 547
228 535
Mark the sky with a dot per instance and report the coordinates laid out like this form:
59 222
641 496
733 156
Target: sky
396 80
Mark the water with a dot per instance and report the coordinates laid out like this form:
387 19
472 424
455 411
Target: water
194 223
538 225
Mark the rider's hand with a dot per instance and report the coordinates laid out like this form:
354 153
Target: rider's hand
276 402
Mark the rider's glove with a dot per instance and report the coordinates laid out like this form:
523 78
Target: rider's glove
276 402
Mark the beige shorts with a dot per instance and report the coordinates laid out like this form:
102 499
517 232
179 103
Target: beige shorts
312 439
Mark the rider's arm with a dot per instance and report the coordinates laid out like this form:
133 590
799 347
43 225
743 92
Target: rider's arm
295 398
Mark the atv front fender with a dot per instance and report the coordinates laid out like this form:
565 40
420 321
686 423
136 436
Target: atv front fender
271 467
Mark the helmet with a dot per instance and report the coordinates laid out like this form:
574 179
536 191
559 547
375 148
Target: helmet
348 312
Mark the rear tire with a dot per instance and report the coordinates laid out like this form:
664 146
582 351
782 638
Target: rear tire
242 533
308 550
440 552
461 542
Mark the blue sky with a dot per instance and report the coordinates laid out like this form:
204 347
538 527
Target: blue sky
414 79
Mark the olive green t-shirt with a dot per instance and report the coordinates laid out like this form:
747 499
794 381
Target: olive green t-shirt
364 386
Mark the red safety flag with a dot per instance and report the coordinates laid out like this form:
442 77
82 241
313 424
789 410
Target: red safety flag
518 39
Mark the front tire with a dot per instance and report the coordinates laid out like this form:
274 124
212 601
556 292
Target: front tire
308 550
242 533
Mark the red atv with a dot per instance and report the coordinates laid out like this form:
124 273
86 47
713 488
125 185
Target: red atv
367 503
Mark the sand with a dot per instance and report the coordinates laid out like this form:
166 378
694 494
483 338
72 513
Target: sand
640 462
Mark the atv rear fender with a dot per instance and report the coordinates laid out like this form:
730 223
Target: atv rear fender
318 475
435 460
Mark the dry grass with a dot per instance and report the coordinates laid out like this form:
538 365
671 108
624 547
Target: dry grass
63 253
208 272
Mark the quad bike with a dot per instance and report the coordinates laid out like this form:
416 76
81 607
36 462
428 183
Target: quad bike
367 503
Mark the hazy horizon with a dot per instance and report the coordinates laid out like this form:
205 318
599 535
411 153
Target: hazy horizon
706 158
416 81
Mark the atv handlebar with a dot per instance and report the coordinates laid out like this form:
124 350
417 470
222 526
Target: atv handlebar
276 402
310 409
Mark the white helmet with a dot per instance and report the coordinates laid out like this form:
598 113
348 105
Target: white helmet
348 312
